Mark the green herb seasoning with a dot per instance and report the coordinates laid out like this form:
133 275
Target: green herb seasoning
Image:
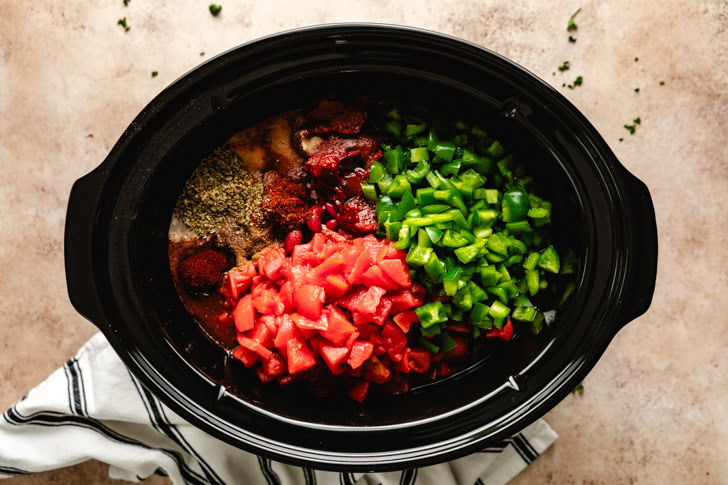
579 389
215 9
572 25
577 82
202 53
621 140
636 59
572 39
126 3
636 90
662 83
564 66
122 22
155 73
219 192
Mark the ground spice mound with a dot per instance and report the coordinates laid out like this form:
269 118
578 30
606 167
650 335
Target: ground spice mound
284 203
202 272
220 192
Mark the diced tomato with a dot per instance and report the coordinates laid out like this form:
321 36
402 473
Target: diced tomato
360 352
262 376
271 262
271 322
394 253
335 285
359 391
286 296
300 357
317 244
383 309
339 329
304 323
378 343
375 276
333 236
244 314
405 320
419 360
303 256
350 341
402 365
330 265
260 332
397 271
505 333
240 278
402 300
362 318
351 254
333 355
310 301
375 371
367 330
286 331
394 338
274 365
352 297
363 261
246 356
267 301
254 346
369 301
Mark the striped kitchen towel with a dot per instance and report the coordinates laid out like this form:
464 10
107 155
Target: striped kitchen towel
93 408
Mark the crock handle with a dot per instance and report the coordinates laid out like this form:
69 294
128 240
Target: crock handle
642 271
81 220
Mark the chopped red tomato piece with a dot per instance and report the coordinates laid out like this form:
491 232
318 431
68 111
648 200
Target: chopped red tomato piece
458 327
360 352
274 365
310 301
359 391
339 329
419 360
246 356
375 371
394 338
244 314
287 330
251 344
402 365
271 262
374 276
335 286
240 279
300 357
286 296
369 301
363 261
504 333
397 271
333 355
405 320
260 332
304 323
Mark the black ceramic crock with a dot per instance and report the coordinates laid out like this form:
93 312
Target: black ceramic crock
118 274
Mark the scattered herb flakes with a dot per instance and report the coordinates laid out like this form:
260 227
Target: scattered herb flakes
202 53
572 39
637 121
563 85
572 25
90 135
154 73
215 9
579 389
636 90
662 83
630 128
564 67
621 140
577 82
126 3
122 22
636 59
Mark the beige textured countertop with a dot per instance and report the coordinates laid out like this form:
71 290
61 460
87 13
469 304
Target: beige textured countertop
655 406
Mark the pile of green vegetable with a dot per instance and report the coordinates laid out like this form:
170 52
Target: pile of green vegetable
476 235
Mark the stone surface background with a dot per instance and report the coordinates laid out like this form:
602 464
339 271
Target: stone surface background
654 409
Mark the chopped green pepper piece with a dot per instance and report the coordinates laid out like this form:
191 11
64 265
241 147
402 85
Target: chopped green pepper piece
531 261
376 172
443 149
468 253
446 343
431 314
549 260
450 281
392 230
394 160
393 127
370 192
532 279
434 267
498 310
537 323
406 204
463 299
452 239
489 275
423 240
418 255
498 244
478 313
516 258
426 196
451 168
434 208
515 205
419 173
403 240
412 130
399 186
429 345
434 234
524 314
429 332
538 213
518 227
496 150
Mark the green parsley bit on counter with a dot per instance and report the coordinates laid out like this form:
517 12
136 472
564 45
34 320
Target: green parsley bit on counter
154 73
215 9
636 90
126 3
572 39
662 83
636 59
90 135
621 140
579 389
577 82
564 67
202 53
633 127
637 121
122 22
572 25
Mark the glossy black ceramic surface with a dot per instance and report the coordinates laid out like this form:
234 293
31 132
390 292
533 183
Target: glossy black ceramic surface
118 275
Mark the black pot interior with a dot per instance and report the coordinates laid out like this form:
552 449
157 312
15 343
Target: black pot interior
168 321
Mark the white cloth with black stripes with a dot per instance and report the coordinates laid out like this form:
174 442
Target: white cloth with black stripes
93 408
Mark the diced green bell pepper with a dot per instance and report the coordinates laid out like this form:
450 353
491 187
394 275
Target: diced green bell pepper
549 260
515 205
431 314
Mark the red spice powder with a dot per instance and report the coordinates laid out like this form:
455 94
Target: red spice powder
285 203
202 272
